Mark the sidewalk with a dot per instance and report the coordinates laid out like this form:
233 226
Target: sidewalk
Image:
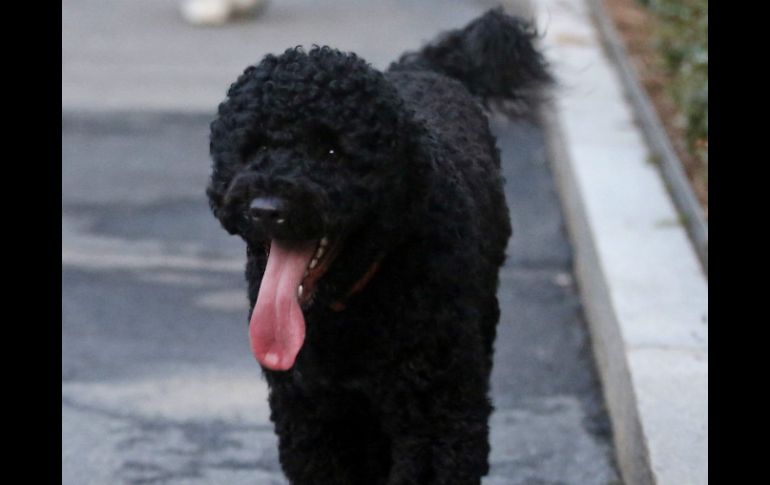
158 384
644 291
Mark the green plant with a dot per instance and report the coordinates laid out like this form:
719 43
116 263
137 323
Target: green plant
683 41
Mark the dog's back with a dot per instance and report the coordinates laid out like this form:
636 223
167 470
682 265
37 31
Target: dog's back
492 58
468 186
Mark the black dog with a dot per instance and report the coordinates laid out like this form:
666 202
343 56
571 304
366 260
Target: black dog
374 215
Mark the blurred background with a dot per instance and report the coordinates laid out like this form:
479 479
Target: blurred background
158 383
142 54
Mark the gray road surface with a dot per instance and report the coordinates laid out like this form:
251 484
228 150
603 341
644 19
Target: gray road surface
158 383
140 54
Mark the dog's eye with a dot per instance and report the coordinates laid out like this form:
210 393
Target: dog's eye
332 154
328 153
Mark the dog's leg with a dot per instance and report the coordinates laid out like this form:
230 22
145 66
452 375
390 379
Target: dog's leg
327 438
454 452
438 419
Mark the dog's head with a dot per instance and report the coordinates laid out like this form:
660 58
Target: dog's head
316 162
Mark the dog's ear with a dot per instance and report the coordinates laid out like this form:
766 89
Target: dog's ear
412 174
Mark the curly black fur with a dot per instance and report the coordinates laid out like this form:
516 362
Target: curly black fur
494 56
400 167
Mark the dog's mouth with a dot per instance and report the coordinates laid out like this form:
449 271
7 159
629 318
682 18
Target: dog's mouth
277 324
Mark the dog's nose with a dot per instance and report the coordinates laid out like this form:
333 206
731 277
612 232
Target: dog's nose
267 210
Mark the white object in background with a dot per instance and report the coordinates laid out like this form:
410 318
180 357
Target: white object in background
218 12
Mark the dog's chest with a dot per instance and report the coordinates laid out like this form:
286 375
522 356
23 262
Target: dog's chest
344 351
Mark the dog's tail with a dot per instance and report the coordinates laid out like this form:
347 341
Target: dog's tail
494 56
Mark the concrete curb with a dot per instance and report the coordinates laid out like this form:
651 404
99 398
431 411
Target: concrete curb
671 166
643 289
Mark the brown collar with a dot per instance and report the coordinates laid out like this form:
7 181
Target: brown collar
359 285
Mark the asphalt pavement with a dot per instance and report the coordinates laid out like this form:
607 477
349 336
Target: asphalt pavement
158 383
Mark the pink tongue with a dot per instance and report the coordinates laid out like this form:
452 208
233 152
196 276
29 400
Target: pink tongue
277 326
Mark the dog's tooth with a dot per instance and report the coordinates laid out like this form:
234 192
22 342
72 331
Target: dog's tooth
300 290
313 263
324 241
281 221
319 252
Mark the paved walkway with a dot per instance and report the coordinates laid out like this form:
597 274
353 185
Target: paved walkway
158 384
140 54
